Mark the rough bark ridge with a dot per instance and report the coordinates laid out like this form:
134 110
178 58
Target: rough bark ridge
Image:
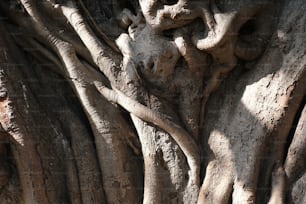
184 101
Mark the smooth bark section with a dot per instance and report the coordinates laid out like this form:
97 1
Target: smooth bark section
278 190
218 177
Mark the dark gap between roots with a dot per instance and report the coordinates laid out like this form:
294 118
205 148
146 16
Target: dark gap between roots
293 127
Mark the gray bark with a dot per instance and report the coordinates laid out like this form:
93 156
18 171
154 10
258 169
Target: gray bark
152 101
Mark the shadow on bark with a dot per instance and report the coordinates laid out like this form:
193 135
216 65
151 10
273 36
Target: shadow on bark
245 141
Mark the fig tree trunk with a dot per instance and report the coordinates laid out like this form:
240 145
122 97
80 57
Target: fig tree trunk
152 101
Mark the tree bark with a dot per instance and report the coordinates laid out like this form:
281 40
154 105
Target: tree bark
152 101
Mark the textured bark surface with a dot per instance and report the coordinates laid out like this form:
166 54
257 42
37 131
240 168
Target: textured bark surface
156 101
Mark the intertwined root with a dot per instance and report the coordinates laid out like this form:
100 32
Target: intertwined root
187 65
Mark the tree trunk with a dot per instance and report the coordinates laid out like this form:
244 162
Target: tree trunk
152 101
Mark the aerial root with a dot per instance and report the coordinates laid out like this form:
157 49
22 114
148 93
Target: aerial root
183 139
278 185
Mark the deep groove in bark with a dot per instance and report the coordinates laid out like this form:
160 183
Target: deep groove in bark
293 126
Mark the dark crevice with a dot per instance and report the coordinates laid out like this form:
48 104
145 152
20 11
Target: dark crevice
230 200
248 28
168 33
293 127
169 2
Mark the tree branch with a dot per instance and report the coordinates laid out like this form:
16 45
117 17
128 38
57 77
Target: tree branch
104 57
183 139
